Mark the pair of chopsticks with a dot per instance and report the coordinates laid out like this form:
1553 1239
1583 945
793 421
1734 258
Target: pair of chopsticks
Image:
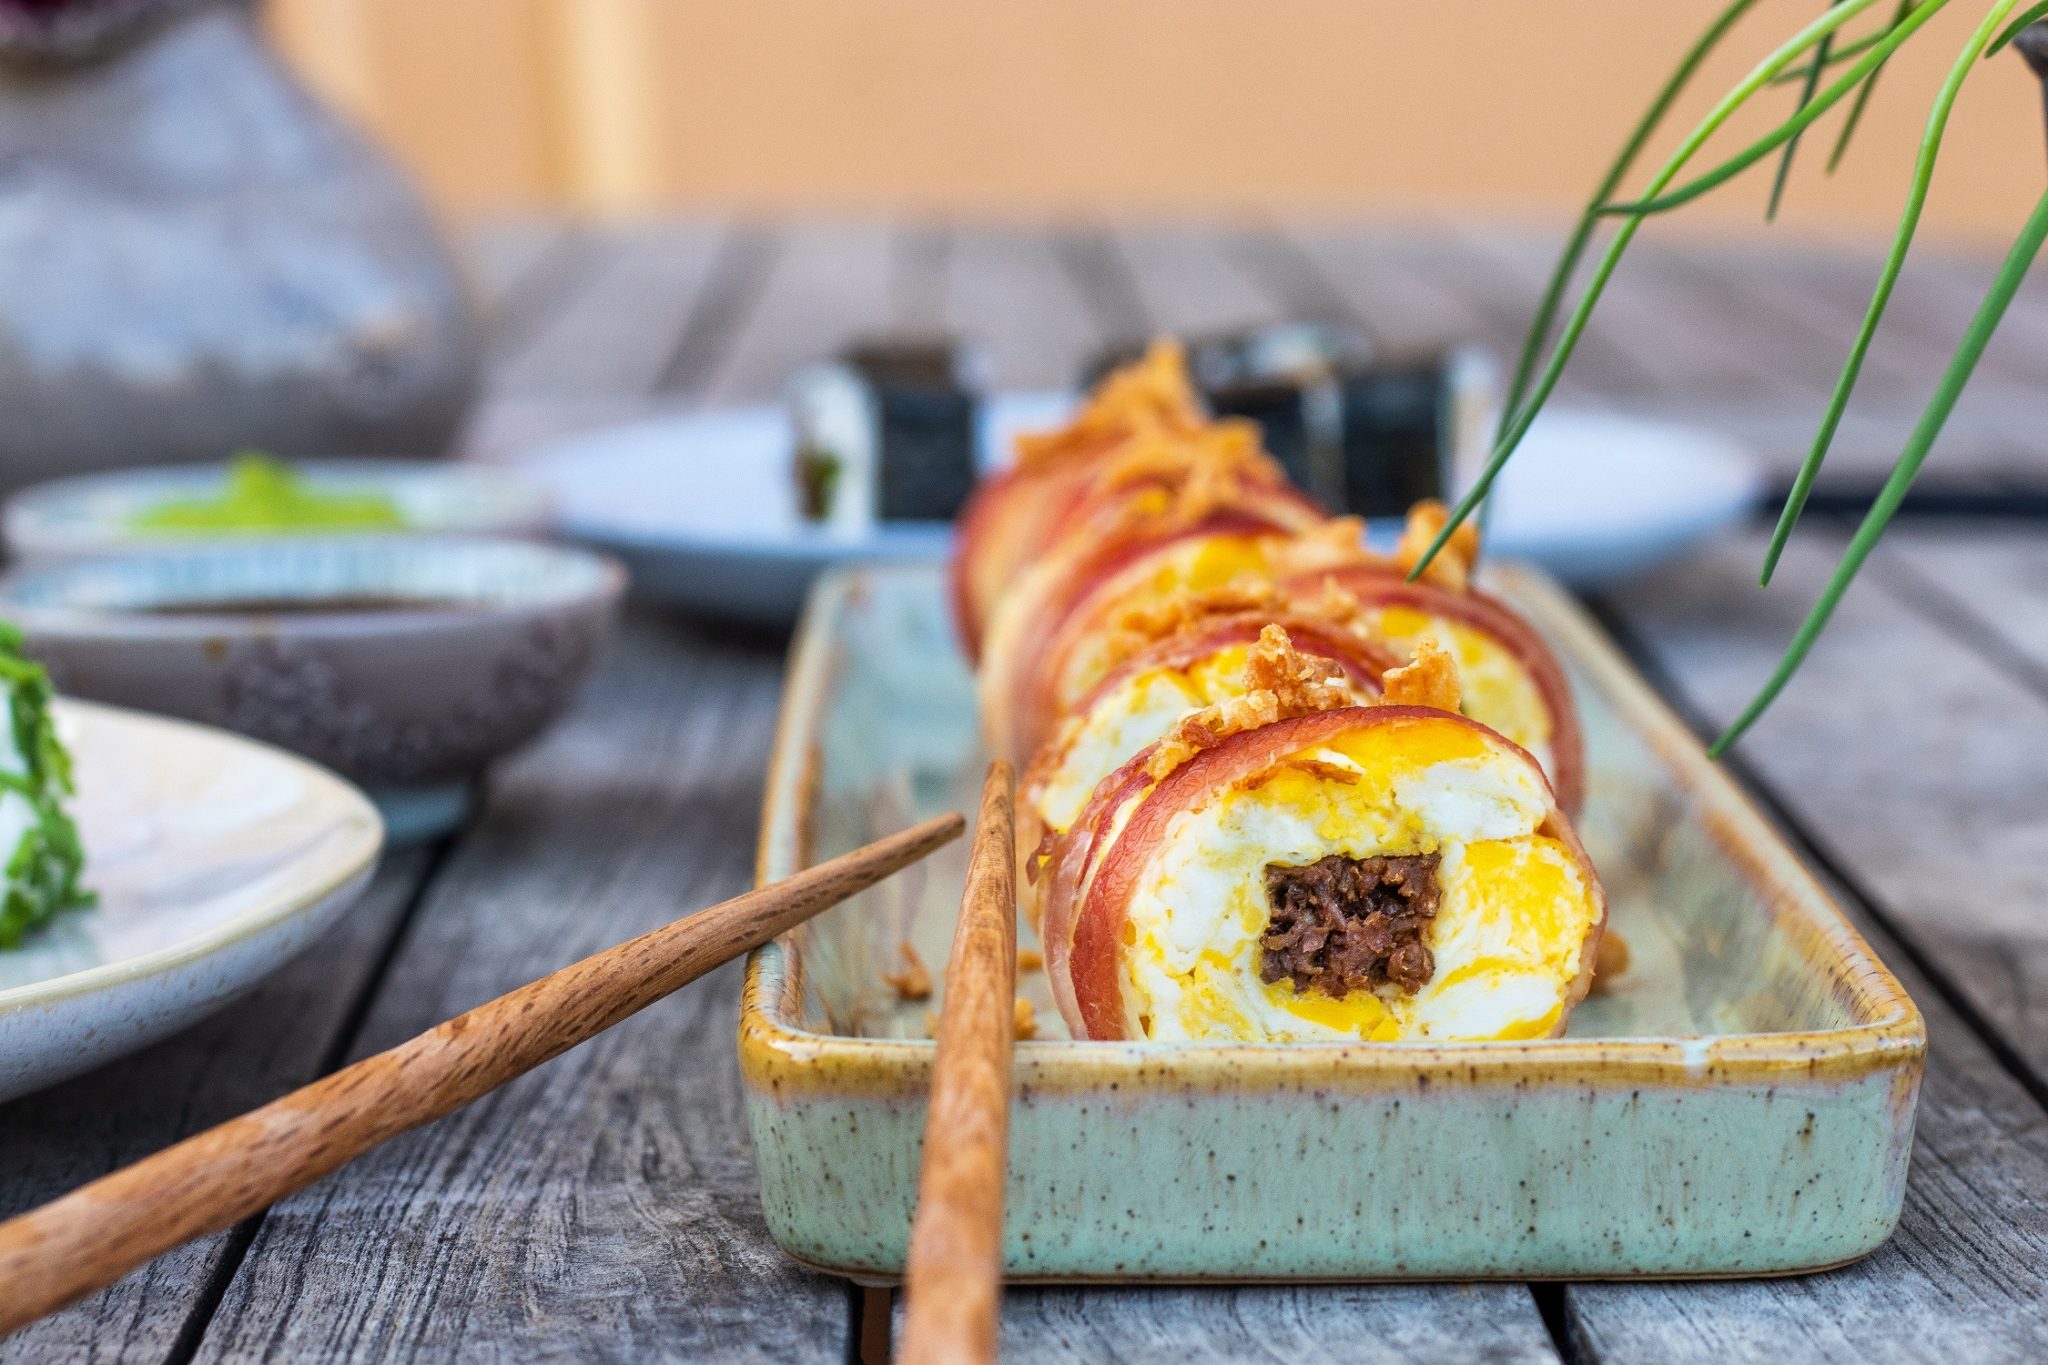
91 1237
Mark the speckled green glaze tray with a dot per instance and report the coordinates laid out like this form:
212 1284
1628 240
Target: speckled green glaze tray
1742 1103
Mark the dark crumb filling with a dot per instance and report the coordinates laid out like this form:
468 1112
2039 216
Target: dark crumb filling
1343 924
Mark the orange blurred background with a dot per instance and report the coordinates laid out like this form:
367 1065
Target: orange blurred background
1030 108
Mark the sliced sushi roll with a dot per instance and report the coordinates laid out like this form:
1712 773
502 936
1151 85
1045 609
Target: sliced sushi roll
1013 515
885 432
1510 679
37 837
1384 873
1051 633
1261 660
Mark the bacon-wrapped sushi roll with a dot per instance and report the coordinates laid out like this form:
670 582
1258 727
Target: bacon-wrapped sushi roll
1013 515
1390 872
1256 654
1511 680
1064 624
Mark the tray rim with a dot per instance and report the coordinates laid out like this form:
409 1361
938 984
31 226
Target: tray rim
781 1056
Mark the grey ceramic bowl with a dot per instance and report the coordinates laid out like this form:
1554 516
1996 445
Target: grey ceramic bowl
95 514
404 663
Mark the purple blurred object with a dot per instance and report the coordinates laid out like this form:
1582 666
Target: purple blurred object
196 257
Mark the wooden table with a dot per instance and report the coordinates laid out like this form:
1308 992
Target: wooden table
605 1207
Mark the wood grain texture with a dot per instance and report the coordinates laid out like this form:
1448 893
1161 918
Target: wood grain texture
1304 1325
612 333
497 260
1886 752
828 283
86 1239
1191 282
953 1276
278 1036
604 1207
1006 289
1988 583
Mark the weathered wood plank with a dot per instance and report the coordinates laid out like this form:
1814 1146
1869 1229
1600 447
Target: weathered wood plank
498 256
280 1036
1190 282
1400 305
1347 1323
1417 288
613 333
1886 753
1007 292
638 330
1100 276
1961 1279
518 313
828 282
605 1206
1992 587
1949 286
1683 338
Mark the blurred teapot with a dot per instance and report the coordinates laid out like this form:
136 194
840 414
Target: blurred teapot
196 257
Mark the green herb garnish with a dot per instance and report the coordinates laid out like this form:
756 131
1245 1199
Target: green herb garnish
266 495
818 471
1807 57
44 868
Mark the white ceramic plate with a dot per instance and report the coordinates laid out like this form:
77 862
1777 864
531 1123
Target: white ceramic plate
95 513
215 859
702 508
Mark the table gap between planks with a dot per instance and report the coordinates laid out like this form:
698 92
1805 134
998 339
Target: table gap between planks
605 1207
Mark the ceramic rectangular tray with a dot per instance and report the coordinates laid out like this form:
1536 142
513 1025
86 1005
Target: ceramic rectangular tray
1740 1104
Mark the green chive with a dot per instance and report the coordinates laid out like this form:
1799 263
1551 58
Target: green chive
1515 429
1855 118
1792 127
1895 260
1582 234
1812 83
1960 367
2034 15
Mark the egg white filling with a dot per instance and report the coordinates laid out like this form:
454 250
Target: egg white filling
1507 938
1130 716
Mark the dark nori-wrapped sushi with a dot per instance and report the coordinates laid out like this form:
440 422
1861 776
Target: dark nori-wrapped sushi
886 432
1360 432
1408 423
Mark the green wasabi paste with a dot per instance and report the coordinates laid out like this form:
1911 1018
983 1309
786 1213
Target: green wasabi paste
266 495
44 856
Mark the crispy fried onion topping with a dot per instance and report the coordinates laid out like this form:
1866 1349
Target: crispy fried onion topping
1144 623
1177 481
1280 683
1151 395
1452 567
1222 454
1430 679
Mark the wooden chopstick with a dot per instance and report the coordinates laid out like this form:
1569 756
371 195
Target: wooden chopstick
94 1235
955 1269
